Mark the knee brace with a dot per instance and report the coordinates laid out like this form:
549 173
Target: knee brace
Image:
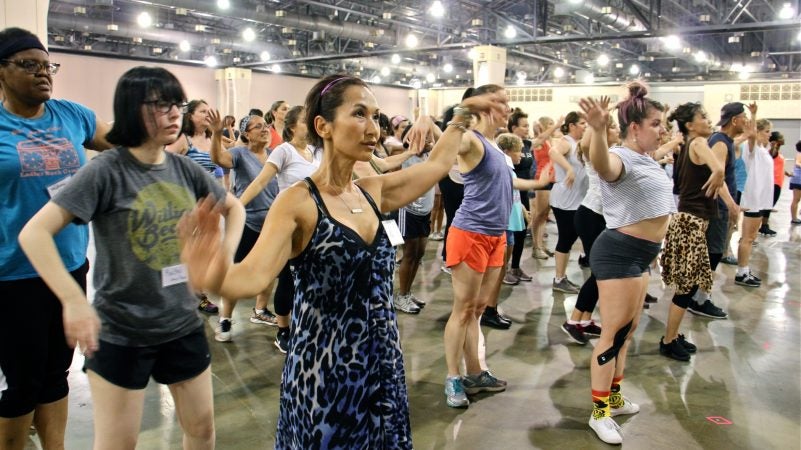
617 344
682 300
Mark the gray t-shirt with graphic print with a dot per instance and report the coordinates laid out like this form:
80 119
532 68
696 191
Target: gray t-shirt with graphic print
134 209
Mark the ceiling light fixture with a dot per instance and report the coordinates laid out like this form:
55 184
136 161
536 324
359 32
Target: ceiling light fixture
431 77
184 46
249 35
521 75
558 72
589 79
376 79
787 11
276 68
447 68
411 41
265 56
223 4
672 42
396 59
144 19
603 60
700 57
510 32
437 9
416 84
634 69
385 71
210 61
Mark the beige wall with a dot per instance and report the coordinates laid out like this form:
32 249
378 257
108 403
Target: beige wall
91 81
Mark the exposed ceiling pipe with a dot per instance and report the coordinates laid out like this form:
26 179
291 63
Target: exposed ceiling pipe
588 8
127 31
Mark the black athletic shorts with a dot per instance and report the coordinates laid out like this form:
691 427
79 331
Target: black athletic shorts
34 355
168 363
413 226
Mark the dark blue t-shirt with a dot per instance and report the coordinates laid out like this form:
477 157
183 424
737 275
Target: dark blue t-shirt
731 178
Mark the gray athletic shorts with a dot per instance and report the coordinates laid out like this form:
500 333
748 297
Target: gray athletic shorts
717 231
618 255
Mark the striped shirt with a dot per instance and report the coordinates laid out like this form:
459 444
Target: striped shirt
642 192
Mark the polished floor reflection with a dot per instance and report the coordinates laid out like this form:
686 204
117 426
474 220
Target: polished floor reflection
741 390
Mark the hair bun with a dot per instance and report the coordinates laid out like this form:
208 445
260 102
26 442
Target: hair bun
637 89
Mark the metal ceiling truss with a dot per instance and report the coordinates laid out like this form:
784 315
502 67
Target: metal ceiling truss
315 37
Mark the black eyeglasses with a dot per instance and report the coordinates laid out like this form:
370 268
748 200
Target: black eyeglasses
164 106
33 67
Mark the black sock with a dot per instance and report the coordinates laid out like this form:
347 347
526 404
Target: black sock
283 330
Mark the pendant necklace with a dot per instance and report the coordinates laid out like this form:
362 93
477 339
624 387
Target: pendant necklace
358 210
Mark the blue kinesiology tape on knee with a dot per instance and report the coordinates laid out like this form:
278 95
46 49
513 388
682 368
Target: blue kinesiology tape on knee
617 344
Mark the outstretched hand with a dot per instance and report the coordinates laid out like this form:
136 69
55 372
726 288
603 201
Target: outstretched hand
215 120
419 134
202 248
494 104
595 112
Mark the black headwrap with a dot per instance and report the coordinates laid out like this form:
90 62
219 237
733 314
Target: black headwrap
13 46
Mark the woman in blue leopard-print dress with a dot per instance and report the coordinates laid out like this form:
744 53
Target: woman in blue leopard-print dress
343 383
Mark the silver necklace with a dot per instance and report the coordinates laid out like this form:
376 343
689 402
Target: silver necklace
358 210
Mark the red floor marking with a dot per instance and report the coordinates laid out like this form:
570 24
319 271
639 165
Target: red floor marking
766 345
717 420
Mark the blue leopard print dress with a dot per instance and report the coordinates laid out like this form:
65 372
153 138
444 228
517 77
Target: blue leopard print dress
343 383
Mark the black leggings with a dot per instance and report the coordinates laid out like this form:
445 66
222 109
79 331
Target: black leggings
589 226
567 230
520 237
777 191
284 292
452 195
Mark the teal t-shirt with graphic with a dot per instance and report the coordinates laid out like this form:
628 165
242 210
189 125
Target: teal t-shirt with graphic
36 156
134 209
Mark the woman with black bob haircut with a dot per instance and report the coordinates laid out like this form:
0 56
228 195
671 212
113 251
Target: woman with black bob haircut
343 382
143 320
637 204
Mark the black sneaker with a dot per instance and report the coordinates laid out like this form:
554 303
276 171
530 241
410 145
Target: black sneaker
575 333
765 230
689 346
754 276
282 342
592 329
495 320
674 350
747 280
707 309
584 262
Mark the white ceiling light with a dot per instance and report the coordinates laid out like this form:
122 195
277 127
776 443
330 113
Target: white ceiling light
431 77
376 79
798 38
276 68
249 35
736 67
672 42
472 54
210 61
437 9
634 69
589 79
576 2
265 56
700 57
144 19
787 12
184 46
223 4
521 81
603 60
411 41
744 75
396 59
510 32
385 71
447 68
416 83
558 72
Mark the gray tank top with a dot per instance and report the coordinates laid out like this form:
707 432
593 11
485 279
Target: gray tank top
569 198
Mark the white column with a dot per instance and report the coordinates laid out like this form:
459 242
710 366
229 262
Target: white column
489 65
30 15
233 91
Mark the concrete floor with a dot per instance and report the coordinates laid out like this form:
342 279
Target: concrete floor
746 372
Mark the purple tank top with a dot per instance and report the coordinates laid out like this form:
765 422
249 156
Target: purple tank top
488 193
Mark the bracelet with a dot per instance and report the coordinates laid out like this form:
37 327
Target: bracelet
460 125
461 111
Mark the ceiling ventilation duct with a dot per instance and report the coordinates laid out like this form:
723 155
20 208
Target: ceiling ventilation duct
616 19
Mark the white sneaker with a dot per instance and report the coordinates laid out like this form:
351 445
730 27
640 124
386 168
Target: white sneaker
627 408
404 303
223 331
607 430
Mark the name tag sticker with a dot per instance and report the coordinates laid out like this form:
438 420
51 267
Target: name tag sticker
53 189
393 232
173 275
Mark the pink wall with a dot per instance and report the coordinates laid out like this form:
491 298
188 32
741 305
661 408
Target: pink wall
91 81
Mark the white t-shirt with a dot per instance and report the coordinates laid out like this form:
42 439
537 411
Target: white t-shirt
291 166
758 190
